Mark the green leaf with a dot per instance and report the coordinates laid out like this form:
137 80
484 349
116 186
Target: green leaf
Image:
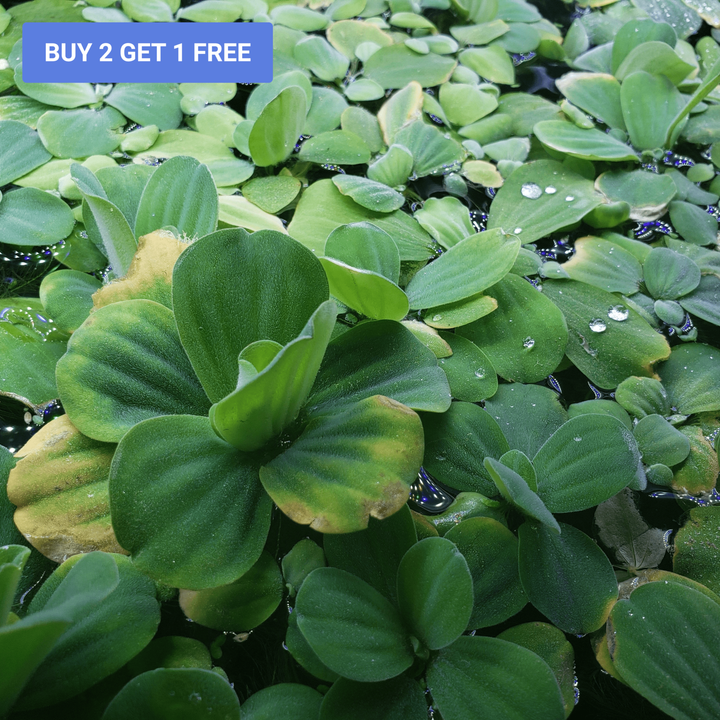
325 112
12 561
115 235
654 57
469 267
435 592
273 193
465 104
378 358
78 133
283 700
461 312
124 187
698 473
395 66
515 489
702 91
469 371
65 95
642 396
181 193
243 604
567 577
237 211
639 31
455 440
704 300
366 292
124 365
696 554
527 414
606 341
60 490
596 93
147 10
491 552
692 378
304 557
23 109
322 208
108 629
605 265
364 245
22 150
25 644
660 442
393 168
368 193
693 223
31 217
647 194
488 677
148 103
649 104
265 92
174 510
177 694
353 629
171 143
347 466
374 554
276 286
337 147
317 55
622 529
277 128
491 62
66 295
664 640
27 363
434 152
446 219
578 142
266 401
523 206
525 337
400 698
587 460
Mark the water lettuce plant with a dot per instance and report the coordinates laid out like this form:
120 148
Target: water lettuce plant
397 376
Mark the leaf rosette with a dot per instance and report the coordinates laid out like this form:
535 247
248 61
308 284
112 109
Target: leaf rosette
239 397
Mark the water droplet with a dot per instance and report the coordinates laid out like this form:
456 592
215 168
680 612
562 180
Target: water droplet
586 347
577 439
517 231
569 198
618 312
529 343
597 325
480 373
531 190
437 318
550 190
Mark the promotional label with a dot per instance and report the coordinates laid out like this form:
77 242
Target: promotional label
147 52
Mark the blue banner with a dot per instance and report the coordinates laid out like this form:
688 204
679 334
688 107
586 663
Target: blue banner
147 52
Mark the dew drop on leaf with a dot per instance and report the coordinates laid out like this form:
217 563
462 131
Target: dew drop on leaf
528 343
597 325
618 312
550 190
531 191
569 198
